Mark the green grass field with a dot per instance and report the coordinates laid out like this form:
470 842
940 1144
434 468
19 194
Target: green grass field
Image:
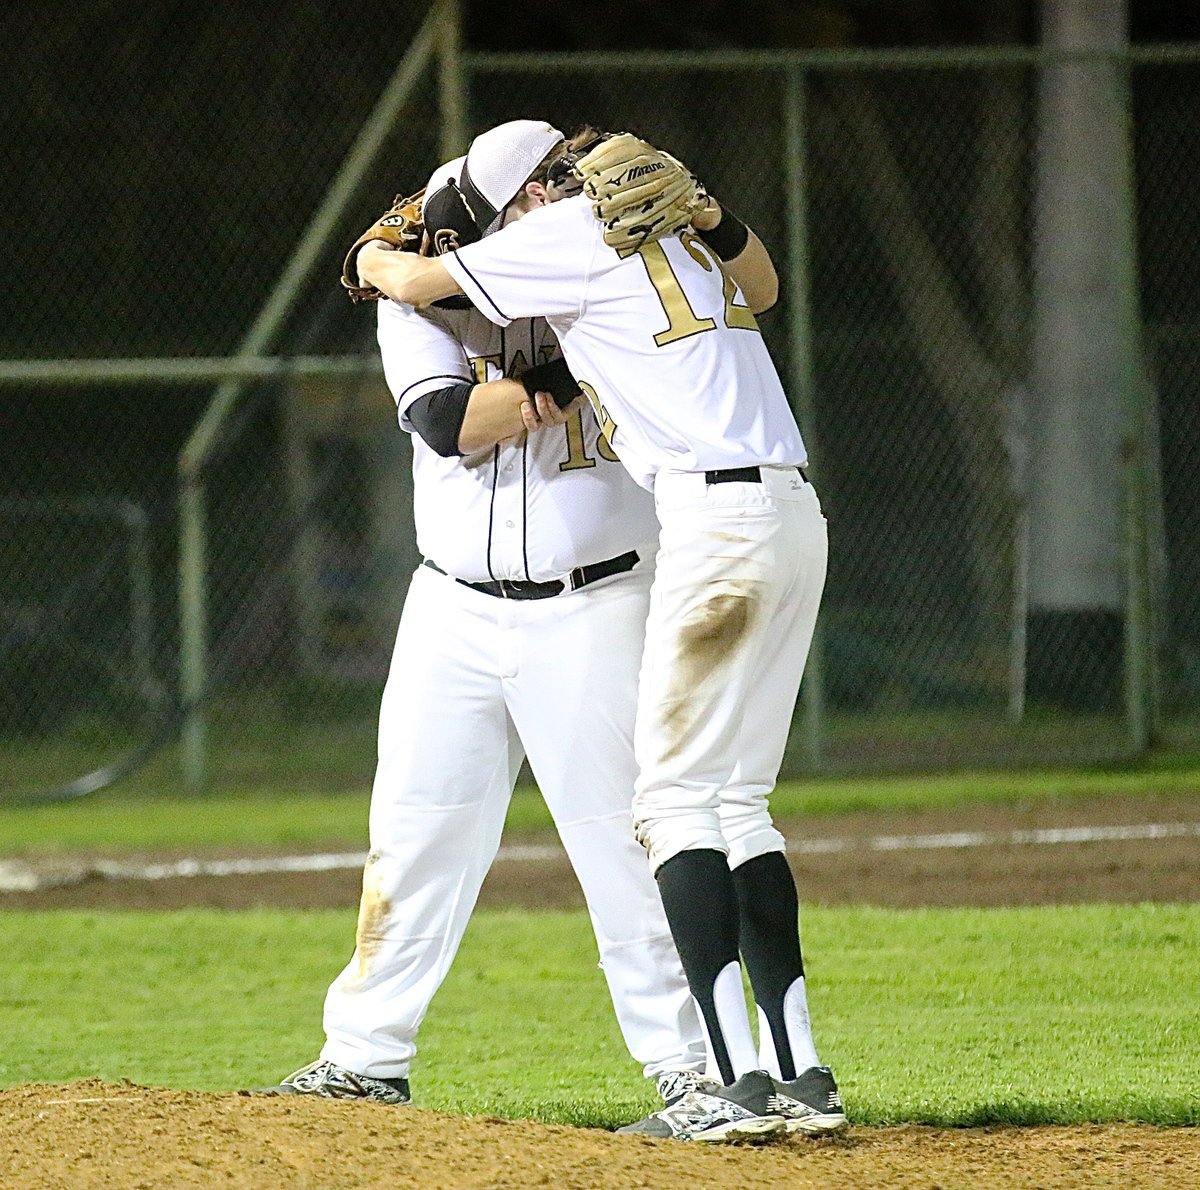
281 816
967 1016
953 1017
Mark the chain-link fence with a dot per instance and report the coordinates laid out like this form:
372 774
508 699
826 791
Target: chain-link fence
1003 452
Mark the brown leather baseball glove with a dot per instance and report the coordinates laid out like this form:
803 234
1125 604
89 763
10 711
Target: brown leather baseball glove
401 226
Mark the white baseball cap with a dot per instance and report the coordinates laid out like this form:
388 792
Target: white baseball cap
497 164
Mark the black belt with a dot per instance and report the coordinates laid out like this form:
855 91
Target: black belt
741 475
581 576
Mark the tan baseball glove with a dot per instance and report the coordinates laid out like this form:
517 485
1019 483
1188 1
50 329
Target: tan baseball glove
401 226
638 192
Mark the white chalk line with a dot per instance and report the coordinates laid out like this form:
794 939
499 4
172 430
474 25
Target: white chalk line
18 876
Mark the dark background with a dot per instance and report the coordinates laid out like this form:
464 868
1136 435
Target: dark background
125 123
162 159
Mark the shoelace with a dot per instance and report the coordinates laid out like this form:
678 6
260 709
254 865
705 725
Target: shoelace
310 1076
339 1083
676 1083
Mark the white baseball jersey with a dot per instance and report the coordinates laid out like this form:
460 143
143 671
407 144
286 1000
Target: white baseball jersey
668 353
493 514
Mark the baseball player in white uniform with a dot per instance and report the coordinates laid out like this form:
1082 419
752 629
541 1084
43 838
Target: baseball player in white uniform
521 635
664 343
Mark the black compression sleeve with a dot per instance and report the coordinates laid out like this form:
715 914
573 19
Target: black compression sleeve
554 378
729 238
438 417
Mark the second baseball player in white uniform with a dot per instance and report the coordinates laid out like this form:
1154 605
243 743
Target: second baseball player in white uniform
521 635
666 347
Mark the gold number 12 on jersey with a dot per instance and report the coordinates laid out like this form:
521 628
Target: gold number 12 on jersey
682 322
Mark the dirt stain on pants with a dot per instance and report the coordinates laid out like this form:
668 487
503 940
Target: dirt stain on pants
708 638
374 909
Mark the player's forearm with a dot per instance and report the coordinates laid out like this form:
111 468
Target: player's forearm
748 263
405 276
493 414
755 275
501 409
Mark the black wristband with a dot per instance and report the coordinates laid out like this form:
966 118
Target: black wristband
554 378
729 238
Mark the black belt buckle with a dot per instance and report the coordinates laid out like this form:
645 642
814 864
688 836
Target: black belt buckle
513 588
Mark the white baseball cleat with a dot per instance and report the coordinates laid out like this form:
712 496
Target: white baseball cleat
712 1114
329 1081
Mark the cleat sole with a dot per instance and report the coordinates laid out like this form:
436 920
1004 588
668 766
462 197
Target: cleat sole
758 1128
817 1125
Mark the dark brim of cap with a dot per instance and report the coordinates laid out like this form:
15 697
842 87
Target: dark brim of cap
448 222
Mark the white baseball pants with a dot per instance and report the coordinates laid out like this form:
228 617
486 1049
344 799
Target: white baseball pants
473 679
738 582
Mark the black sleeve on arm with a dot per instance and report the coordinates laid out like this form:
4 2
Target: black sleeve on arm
554 378
438 417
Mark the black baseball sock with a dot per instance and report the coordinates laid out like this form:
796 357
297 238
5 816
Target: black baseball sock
769 937
702 910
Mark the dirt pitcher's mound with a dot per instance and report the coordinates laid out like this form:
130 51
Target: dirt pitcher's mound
93 1134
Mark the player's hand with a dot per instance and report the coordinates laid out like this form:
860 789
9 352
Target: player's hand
368 254
532 412
549 412
370 248
708 218
541 411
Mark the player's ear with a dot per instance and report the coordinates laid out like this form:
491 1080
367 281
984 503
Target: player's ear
538 195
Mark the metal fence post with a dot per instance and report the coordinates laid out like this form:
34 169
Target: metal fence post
812 693
452 83
193 625
1140 613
